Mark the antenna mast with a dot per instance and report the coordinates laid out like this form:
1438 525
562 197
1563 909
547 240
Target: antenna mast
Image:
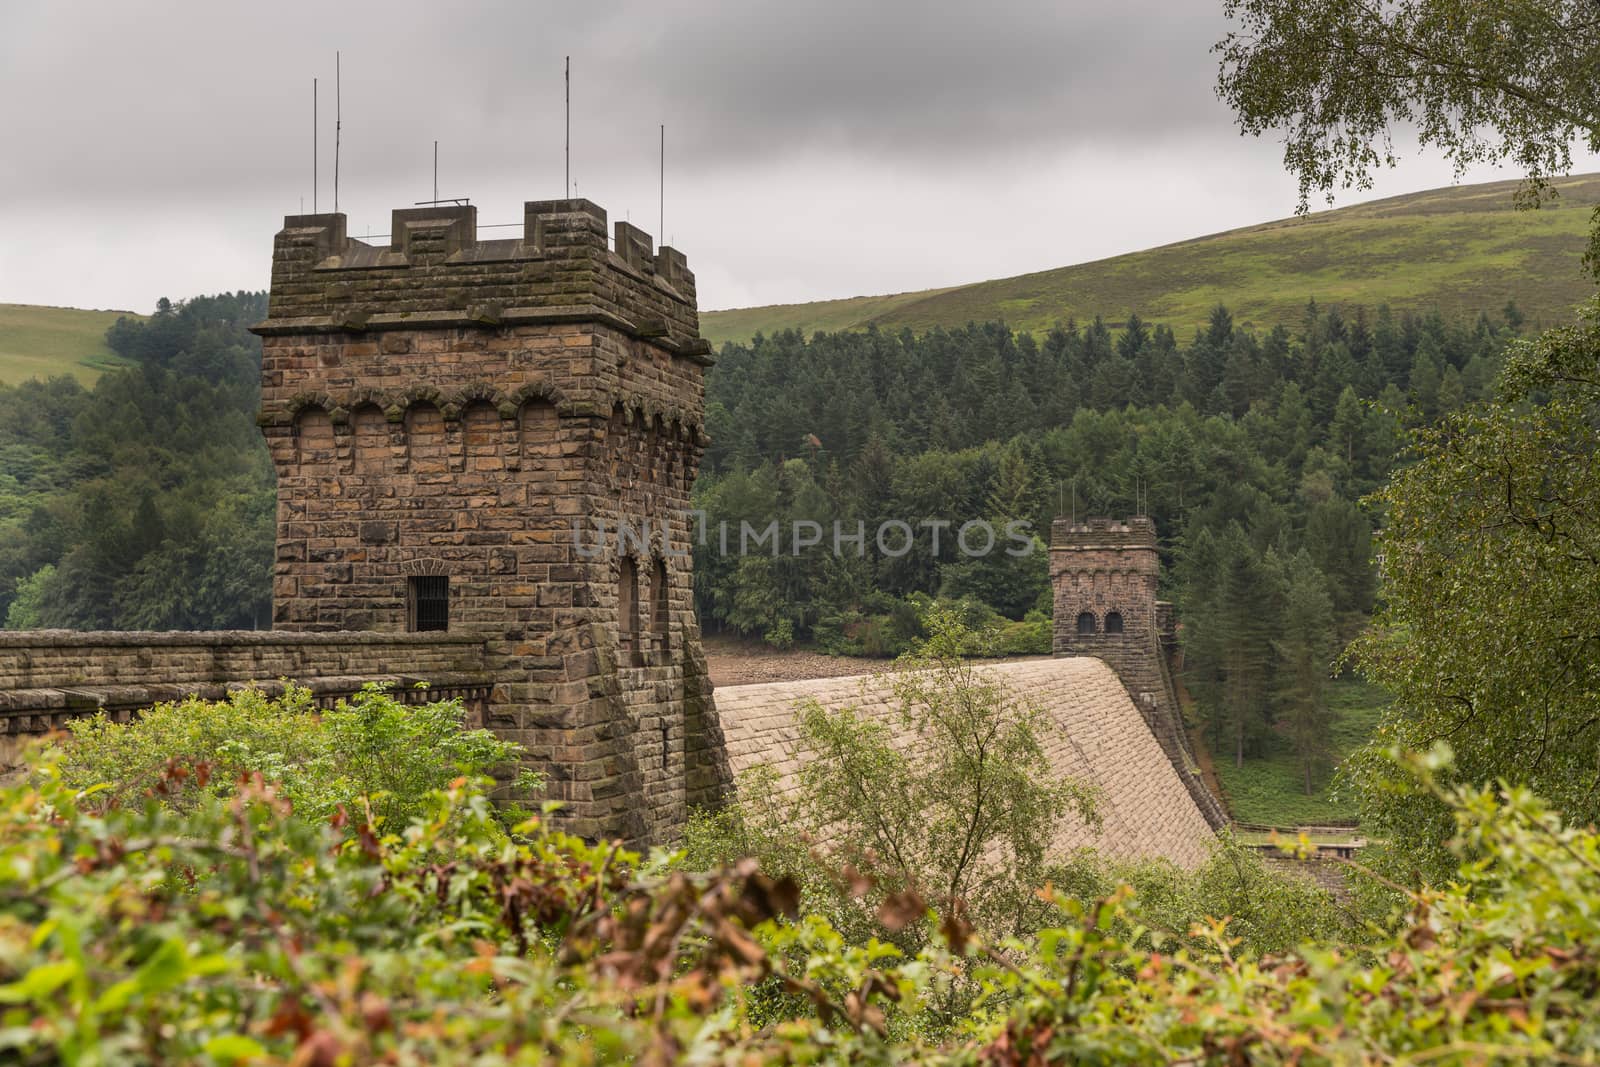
436 172
338 122
661 232
568 79
314 168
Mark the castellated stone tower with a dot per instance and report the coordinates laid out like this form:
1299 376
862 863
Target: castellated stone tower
452 421
1104 574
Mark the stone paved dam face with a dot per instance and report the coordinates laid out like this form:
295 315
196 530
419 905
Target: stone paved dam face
1091 731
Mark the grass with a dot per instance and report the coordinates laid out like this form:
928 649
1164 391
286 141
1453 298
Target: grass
1270 791
1462 250
41 342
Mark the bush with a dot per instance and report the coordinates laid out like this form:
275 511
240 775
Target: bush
370 750
235 930
1033 636
780 636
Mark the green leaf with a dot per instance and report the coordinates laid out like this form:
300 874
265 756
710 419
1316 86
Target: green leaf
39 982
231 1048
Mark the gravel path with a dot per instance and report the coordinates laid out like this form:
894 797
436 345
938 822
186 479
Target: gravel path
738 662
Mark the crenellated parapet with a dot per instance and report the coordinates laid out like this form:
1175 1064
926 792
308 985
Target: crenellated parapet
437 272
1133 534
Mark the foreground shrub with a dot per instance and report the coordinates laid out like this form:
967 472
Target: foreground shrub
234 930
369 751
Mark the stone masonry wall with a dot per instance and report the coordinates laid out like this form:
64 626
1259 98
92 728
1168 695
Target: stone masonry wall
1100 568
481 411
48 677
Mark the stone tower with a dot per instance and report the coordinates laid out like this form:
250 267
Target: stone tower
453 421
1104 574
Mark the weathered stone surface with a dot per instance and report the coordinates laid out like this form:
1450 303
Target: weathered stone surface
498 404
1104 574
50 676
473 410
1092 732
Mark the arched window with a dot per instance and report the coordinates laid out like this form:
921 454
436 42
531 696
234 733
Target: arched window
660 594
370 431
652 450
1086 622
313 435
480 432
1113 622
537 428
627 600
669 456
425 439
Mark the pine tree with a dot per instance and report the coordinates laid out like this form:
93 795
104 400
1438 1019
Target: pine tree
1304 647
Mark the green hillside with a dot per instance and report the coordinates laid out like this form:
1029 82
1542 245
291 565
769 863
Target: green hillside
38 342
1460 249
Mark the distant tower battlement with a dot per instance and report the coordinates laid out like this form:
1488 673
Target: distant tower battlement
452 421
1104 574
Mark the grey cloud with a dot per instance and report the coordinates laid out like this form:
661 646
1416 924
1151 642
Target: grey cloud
194 98
152 148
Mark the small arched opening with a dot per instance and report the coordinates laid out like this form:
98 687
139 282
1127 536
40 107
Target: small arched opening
628 601
369 431
425 447
660 594
480 435
1114 622
538 431
313 434
1086 622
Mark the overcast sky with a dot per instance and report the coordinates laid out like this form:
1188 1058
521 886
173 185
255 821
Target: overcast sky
814 150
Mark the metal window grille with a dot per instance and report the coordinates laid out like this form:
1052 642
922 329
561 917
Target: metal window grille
430 603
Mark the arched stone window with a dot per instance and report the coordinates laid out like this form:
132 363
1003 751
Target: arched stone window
670 443
537 433
313 436
1086 622
425 448
628 601
652 450
370 433
480 433
617 445
1113 622
660 595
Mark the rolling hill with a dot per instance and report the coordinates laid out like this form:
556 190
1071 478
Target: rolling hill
40 342
1461 249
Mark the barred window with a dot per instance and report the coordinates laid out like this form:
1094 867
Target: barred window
1086 623
428 604
1114 622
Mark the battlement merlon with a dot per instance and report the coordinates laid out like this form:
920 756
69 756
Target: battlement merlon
435 271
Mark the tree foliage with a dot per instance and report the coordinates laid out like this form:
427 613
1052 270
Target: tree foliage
1480 80
1491 571
150 498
